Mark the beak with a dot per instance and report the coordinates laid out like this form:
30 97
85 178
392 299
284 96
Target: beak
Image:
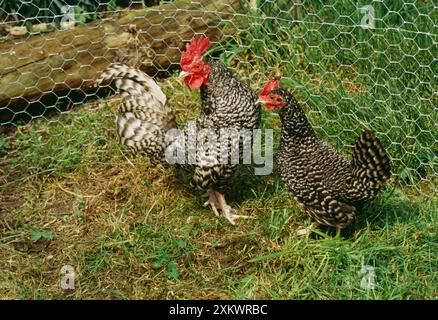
183 74
259 102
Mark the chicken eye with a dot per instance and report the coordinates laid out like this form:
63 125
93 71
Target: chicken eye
279 99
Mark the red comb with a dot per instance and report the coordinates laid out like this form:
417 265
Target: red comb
201 46
194 49
271 85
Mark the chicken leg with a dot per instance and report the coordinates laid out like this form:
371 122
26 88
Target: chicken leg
217 202
212 201
227 211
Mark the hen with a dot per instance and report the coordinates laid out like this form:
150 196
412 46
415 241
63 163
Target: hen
226 103
327 185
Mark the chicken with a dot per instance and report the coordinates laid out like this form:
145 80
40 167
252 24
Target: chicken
328 186
226 103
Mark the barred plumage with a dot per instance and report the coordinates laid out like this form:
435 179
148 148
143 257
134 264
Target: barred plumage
327 185
227 103
144 118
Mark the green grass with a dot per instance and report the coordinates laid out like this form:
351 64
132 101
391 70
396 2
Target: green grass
71 195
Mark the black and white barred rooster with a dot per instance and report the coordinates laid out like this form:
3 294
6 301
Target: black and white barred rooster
327 185
144 117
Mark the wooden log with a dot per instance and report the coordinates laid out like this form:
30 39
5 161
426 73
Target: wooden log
58 63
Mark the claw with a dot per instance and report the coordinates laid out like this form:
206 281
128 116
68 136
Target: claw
303 232
217 202
306 231
227 211
231 217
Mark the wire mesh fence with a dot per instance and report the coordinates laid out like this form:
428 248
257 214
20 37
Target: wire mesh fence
354 65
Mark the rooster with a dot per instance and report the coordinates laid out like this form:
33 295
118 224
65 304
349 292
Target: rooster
328 186
145 118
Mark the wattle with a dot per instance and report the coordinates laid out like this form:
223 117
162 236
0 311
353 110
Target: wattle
270 107
194 82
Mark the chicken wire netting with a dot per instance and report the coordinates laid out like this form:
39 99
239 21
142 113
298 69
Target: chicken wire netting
353 65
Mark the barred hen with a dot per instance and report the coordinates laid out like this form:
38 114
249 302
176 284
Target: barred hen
328 186
226 103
